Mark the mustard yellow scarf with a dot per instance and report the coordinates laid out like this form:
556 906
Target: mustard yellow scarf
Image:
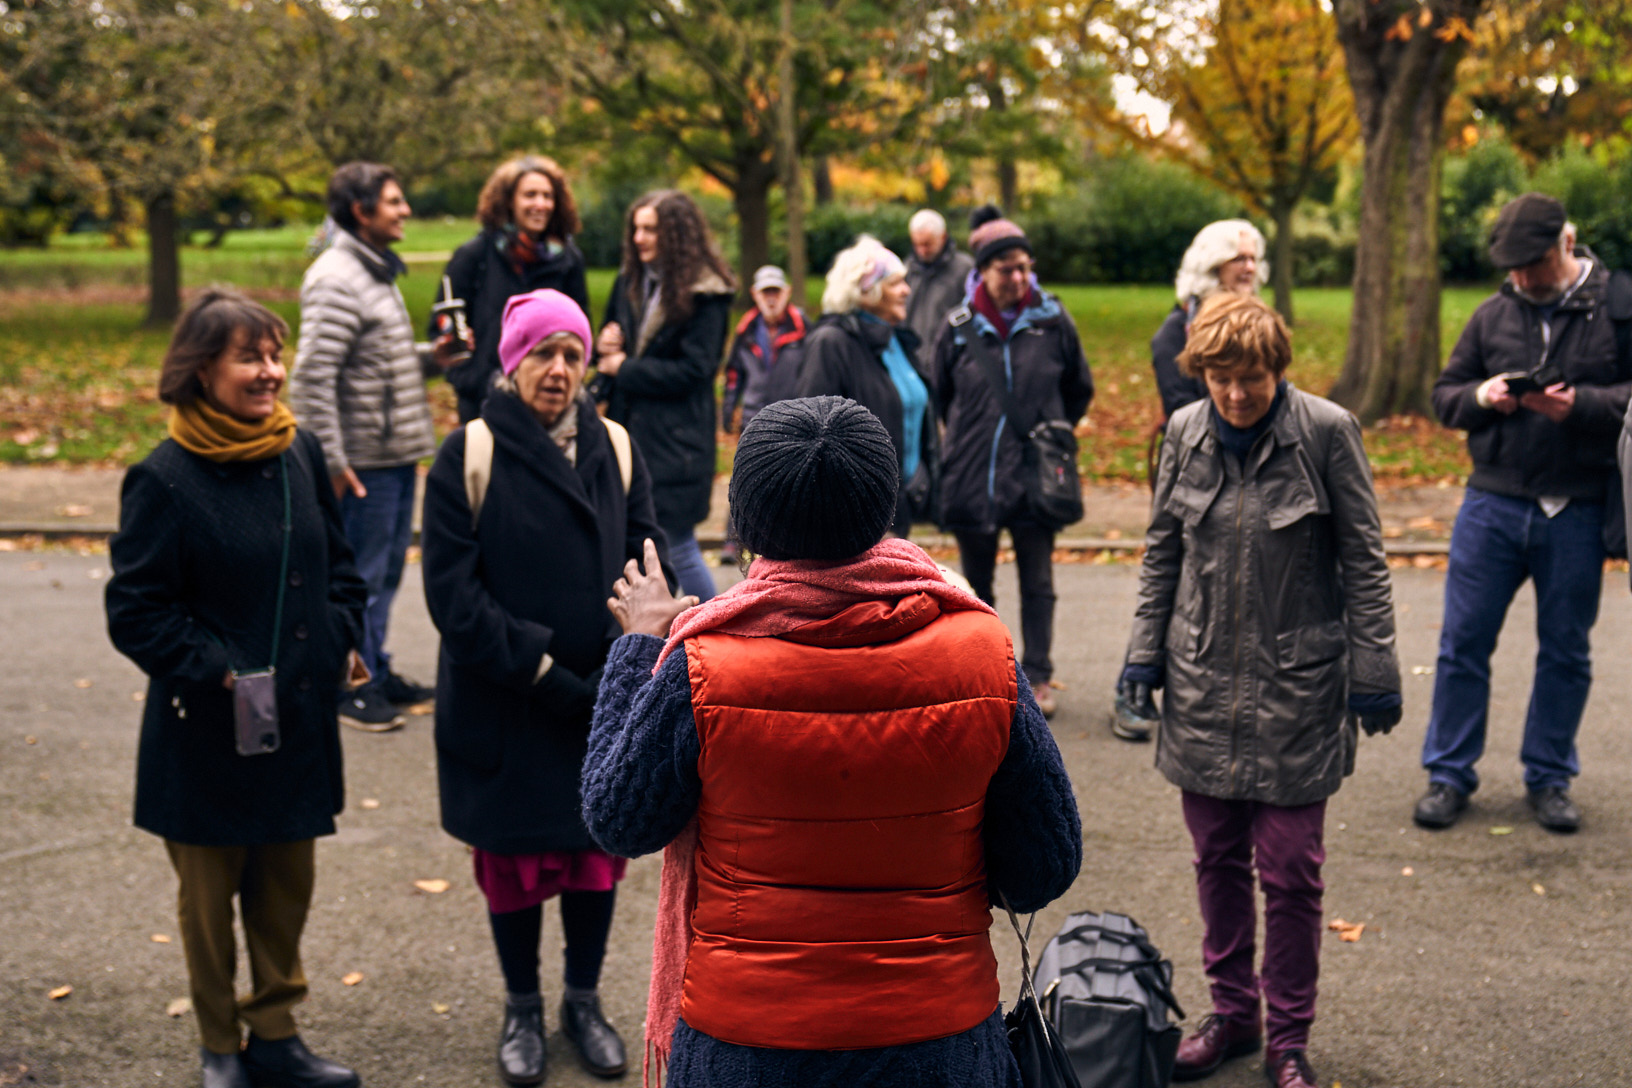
201 429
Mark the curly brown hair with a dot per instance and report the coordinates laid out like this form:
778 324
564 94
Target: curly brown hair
495 208
1235 332
685 245
204 330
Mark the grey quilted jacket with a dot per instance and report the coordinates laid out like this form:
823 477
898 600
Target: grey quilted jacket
1266 596
359 378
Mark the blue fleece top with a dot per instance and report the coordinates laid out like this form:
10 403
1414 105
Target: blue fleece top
641 788
914 399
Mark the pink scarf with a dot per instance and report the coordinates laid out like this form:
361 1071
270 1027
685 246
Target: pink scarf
777 597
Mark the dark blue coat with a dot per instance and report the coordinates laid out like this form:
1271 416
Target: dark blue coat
531 578
193 593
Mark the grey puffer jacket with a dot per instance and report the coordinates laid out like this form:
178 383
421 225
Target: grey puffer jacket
359 378
1266 596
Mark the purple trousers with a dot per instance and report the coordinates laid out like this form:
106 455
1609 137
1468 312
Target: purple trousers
1286 846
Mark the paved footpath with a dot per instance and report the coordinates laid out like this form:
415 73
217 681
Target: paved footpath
1494 954
86 500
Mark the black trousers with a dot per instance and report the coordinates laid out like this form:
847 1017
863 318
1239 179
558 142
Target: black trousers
1034 560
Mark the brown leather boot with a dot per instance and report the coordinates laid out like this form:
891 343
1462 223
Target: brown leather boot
1289 1069
1215 1041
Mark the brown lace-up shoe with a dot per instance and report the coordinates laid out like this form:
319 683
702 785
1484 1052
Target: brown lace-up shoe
1215 1041
1290 1069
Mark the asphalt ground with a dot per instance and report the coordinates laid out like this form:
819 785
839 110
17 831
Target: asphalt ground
1493 953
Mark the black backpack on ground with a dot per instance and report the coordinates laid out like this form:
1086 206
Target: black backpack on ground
1108 992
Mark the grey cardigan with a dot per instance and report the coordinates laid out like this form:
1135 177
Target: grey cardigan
359 377
1266 596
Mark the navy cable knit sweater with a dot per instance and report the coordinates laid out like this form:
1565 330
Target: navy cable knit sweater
640 788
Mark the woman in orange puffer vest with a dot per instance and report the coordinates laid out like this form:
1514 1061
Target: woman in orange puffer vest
844 764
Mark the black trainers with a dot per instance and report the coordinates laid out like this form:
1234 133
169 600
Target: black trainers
1554 810
1440 806
400 691
369 710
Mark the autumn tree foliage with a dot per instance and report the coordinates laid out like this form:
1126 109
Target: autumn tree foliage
704 82
1402 57
1259 103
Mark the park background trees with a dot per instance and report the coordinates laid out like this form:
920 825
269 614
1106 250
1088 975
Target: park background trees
1372 139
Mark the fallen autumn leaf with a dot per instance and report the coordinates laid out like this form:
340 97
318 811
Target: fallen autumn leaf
1501 831
352 979
160 938
370 802
433 887
60 992
181 1006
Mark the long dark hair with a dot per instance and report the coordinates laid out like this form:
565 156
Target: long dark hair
685 247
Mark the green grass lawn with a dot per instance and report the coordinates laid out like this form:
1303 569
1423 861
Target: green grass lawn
77 372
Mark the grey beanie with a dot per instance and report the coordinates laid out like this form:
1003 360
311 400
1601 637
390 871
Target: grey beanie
813 478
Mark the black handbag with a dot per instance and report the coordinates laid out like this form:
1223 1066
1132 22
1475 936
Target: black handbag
1037 1049
1048 451
1108 992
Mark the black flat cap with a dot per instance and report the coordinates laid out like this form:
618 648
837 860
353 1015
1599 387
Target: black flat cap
1526 228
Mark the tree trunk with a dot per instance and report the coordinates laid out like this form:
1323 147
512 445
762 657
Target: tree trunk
163 261
1280 271
751 198
1401 85
793 186
821 179
1008 185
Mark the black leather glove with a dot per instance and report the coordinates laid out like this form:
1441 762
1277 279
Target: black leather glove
1136 696
1381 721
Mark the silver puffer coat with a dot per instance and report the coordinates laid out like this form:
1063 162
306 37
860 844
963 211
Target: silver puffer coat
1266 596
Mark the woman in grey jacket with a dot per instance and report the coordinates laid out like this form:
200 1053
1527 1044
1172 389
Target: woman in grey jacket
1265 610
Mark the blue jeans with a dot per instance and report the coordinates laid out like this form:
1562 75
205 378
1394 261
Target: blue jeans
1497 543
687 560
380 526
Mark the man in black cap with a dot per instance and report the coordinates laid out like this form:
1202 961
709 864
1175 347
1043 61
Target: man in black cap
1537 382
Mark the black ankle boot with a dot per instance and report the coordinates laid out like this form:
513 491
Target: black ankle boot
597 1043
286 1063
521 1043
223 1070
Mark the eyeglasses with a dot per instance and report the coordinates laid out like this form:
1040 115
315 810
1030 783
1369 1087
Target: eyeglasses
1019 268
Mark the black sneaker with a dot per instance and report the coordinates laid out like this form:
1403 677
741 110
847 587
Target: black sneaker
369 710
400 691
1440 806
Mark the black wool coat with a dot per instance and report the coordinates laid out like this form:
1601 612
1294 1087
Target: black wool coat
481 273
193 593
844 357
664 394
1174 386
531 578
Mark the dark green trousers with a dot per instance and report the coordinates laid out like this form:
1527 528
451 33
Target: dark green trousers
273 884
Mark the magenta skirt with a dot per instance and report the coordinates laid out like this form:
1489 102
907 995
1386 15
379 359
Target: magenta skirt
518 881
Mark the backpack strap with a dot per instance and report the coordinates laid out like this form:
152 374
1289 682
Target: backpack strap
620 448
478 465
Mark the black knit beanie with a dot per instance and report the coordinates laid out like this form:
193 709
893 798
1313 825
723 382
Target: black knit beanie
813 479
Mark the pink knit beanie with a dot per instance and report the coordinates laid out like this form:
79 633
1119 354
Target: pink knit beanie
532 318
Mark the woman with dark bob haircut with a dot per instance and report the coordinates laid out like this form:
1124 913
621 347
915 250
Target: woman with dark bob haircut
660 346
1265 613
528 217
233 589
845 769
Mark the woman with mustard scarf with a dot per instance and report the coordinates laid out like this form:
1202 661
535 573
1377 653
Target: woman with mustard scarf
233 589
